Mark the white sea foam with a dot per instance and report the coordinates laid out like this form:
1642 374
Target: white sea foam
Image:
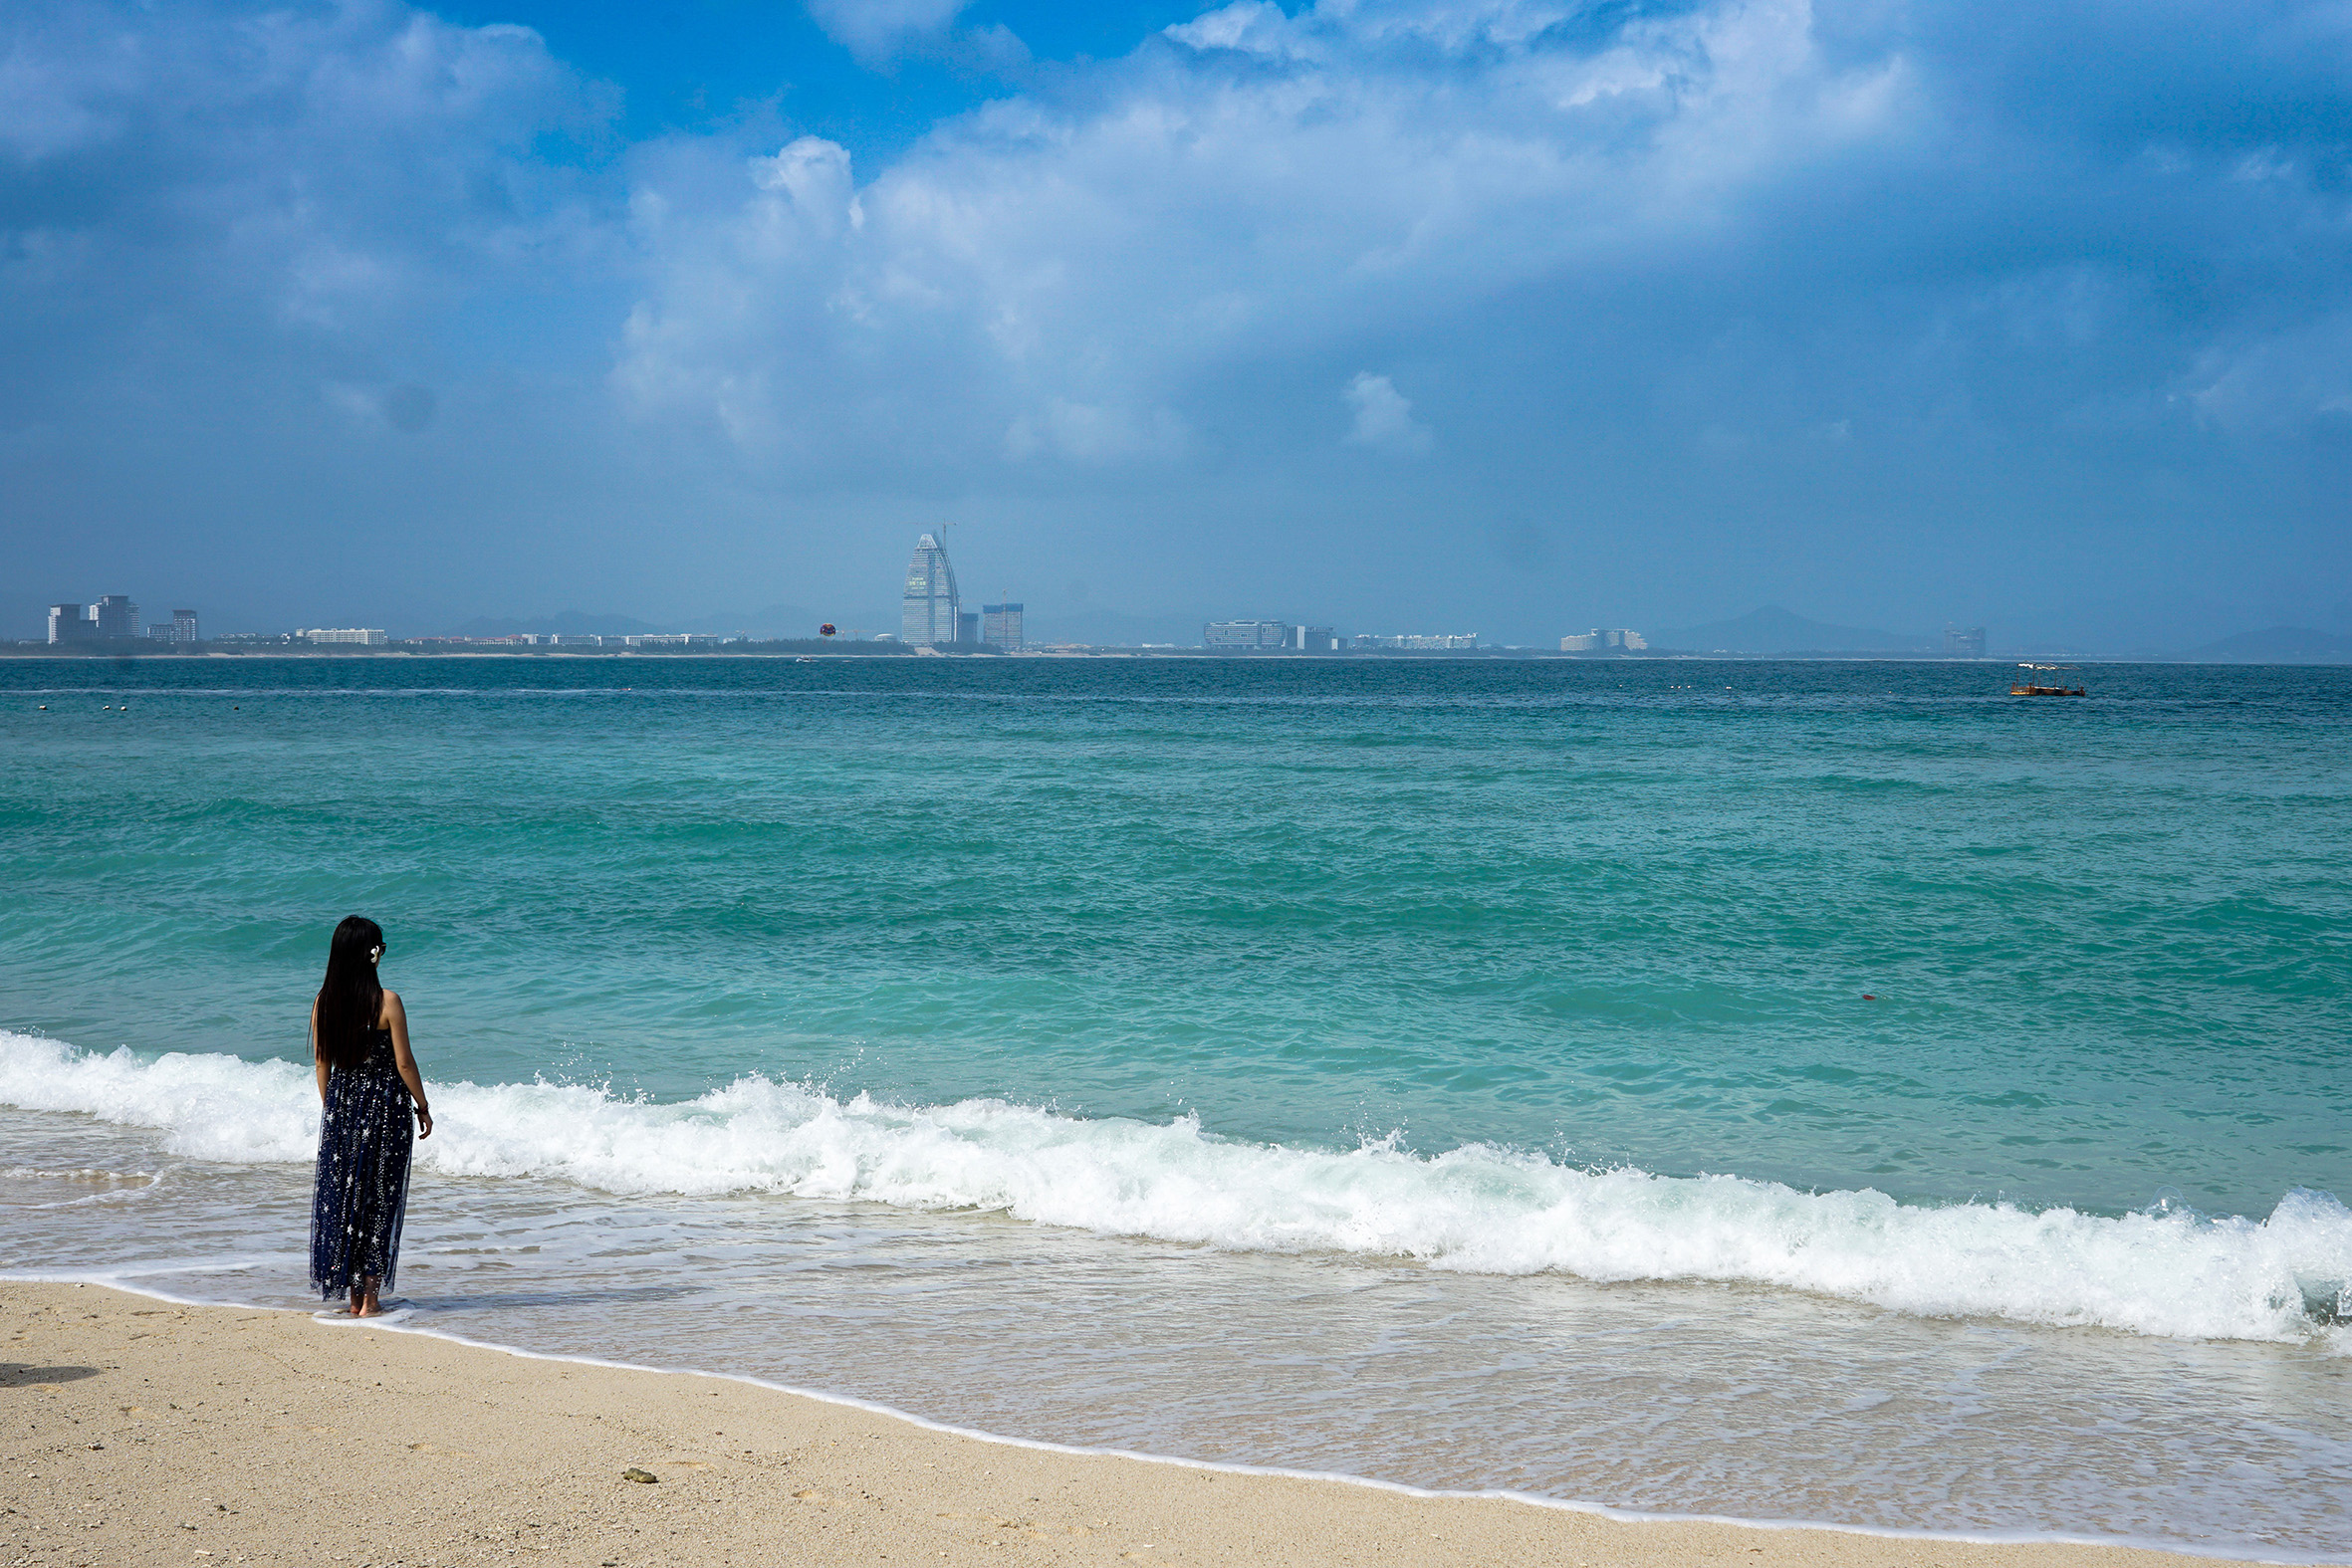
31 1186
1476 1208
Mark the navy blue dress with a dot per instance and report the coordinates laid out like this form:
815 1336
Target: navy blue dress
364 1141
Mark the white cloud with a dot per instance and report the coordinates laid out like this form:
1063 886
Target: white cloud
2279 380
1038 259
873 30
62 88
815 175
326 171
1383 417
1256 27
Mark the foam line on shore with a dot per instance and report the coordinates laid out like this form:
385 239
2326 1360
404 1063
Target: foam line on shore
1476 1208
120 1187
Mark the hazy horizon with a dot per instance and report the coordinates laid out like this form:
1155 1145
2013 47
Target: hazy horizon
1406 315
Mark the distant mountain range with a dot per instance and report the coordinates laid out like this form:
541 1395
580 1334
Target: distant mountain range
1773 630
2277 646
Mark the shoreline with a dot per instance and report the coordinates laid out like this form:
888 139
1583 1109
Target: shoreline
1671 656
1139 1507
1504 655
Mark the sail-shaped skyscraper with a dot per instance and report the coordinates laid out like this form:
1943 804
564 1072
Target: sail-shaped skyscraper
931 605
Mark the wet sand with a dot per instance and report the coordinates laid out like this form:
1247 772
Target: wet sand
133 1432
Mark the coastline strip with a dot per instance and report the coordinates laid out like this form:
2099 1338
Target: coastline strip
137 1430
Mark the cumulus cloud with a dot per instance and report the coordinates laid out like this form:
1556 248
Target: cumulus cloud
304 184
1256 183
1383 417
877 31
812 175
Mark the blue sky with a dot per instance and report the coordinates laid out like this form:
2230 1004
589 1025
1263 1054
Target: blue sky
1510 316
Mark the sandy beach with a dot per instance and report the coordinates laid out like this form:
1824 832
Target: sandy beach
137 1431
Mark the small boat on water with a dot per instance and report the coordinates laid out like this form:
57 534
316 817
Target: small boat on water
2031 686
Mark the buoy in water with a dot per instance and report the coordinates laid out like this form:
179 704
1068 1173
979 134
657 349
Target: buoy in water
1866 997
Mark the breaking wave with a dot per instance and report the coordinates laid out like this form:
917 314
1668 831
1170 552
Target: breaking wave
1477 1209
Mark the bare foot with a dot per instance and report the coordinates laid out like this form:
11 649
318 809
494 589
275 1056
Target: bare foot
366 1306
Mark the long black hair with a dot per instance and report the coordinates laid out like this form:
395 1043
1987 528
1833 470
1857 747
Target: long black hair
351 997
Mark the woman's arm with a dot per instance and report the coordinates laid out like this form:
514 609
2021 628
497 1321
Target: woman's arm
318 1060
395 1018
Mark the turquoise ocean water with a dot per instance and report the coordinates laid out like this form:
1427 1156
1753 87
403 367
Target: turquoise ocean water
1835 1091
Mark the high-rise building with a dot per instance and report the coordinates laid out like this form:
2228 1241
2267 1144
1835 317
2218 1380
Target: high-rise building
181 628
932 605
968 628
1000 626
1245 634
1964 642
1603 637
116 615
70 624
1312 639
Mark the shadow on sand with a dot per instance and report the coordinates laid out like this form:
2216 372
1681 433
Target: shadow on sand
14 1374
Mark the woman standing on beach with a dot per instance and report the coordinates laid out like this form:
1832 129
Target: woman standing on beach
369 1085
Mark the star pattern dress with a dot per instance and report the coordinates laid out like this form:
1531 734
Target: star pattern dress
361 1197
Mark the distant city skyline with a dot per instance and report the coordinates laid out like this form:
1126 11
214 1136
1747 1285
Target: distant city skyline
1090 623
931 608
116 616
1767 631
931 616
